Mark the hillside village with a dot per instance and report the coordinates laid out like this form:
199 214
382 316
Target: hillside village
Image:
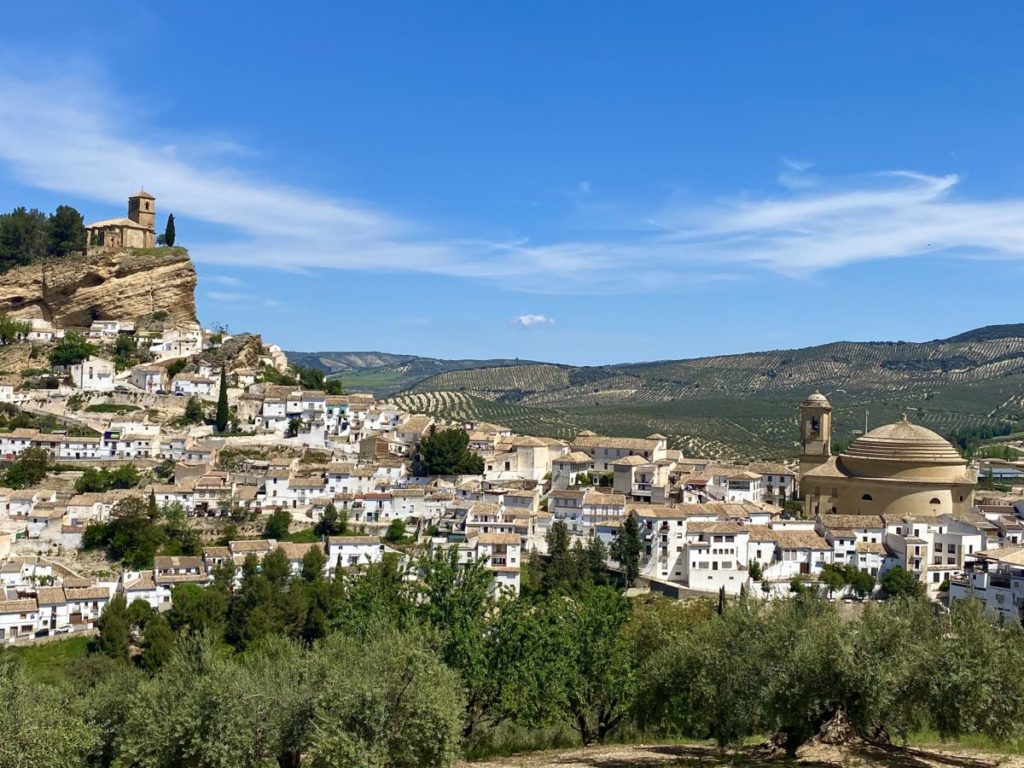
290 464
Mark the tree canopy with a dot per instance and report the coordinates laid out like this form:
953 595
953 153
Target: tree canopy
446 452
27 235
73 348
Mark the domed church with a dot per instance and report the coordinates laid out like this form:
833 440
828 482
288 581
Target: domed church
896 470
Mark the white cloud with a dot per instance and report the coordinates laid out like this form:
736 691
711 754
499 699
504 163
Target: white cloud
72 136
222 280
533 321
584 187
227 297
796 176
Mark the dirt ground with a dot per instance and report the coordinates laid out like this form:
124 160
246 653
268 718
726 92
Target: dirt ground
812 756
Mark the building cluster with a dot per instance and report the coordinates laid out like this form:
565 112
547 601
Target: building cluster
899 496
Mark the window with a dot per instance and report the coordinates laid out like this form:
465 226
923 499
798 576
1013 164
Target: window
867 497
934 501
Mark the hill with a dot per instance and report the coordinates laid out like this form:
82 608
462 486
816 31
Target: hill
729 405
383 373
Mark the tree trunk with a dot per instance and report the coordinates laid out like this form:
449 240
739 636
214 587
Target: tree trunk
586 736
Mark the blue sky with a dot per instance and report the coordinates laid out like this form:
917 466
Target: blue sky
577 182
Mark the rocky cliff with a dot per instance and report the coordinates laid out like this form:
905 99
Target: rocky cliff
74 291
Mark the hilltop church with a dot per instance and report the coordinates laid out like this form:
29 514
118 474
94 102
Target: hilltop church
896 470
137 230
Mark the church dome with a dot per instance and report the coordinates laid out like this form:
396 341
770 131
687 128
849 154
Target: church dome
904 442
817 399
904 451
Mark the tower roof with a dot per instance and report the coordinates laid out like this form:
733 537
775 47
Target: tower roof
818 399
142 193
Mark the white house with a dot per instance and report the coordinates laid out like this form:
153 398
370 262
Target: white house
348 551
148 378
93 373
189 384
18 618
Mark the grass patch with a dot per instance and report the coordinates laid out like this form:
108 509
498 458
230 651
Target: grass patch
932 740
48 662
305 536
111 408
368 379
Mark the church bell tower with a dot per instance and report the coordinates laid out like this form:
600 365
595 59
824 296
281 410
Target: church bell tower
142 209
815 431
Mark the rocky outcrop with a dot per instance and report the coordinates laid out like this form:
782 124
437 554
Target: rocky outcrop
76 290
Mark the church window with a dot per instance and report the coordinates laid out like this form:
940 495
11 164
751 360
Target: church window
866 497
934 501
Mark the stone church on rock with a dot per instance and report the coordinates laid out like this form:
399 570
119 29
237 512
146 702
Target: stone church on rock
137 230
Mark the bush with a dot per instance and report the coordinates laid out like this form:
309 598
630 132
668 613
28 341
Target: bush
73 348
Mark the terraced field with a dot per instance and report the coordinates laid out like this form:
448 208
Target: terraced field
463 407
746 405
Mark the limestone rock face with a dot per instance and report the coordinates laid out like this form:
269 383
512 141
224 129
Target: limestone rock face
128 285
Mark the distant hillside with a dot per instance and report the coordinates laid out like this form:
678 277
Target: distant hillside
727 405
383 373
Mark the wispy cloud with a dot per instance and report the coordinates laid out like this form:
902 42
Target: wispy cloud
533 321
75 137
222 280
227 297
796 174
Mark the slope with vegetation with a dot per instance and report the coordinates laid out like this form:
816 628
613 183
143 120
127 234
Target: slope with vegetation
745 405
373 668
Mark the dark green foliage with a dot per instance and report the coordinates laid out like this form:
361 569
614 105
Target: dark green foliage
277 524
897 582
133 536
28 469
294 427
310 378
627 547
158 643
12 330
67 231
333 522
598 678
446 452
329 670
221 419
73 348
395 531
169 233
24 237
194 413
115 630
198 609
100 480
175 367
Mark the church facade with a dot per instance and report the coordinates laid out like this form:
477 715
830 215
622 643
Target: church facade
896 470
136 230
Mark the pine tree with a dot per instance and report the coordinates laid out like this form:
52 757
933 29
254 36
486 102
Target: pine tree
626 549
114 637
222 401
154 511
169 231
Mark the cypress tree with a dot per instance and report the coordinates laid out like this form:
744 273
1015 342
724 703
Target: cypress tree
222 401
169 231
